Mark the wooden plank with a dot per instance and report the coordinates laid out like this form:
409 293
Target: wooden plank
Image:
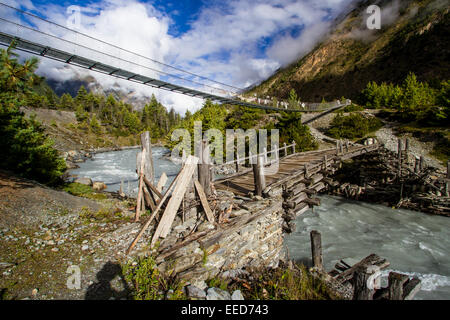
372 259
204 201
175 201
161 182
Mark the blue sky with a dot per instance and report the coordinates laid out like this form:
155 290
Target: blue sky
239 42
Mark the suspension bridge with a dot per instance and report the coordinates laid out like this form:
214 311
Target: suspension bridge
36 36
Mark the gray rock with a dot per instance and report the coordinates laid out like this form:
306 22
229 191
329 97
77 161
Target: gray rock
217 294
237 295
195 292
238 213
85 181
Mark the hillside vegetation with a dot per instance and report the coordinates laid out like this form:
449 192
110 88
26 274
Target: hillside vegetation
352 56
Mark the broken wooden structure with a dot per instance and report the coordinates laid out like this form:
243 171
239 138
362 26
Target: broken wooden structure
361 281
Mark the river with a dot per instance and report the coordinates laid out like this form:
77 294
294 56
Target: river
413 242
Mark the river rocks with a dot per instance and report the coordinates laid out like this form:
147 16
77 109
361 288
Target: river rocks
217 294
85 181
194 292
237 295
98 186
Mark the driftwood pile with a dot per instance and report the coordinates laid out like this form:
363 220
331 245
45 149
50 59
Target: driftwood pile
362 280
401 180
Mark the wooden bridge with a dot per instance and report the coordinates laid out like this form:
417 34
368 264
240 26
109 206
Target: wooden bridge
292 168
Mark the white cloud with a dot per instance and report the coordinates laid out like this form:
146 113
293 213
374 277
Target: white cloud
223 42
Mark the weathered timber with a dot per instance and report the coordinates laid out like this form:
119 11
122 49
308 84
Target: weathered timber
158 207
204 166
315 178
312 201
204 201
294 191
372 259
258 175
174 203
360 282
316 249
161 182
151 187
411 288
140 170
396 283
294 202
147 150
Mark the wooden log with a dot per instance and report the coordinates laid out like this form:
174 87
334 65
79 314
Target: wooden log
295 201
316 249
293 146
152 188
147 146
204 173
161 182
411 288
301 208
315 178
294 191
422 163
148 199
372 259
312 201
174 203
141 185
361 278
396 283
258 175
204 201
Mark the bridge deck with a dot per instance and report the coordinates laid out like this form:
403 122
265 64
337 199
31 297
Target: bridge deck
244 183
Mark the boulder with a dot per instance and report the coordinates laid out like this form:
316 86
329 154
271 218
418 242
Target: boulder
86 181
237 295
98 186
195 292
217 294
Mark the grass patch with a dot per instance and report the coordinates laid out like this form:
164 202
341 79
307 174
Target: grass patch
81 190
103 214
283 283
149 283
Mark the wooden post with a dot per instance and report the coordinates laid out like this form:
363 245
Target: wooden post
265 155
316 249
337 146
416 166
285 150
141 185
306 171
396 282
258 175
360 280
407 149
422 163
237 162
147 146
325 165
293 146
346 145
204 173
448 169
341 147
399 147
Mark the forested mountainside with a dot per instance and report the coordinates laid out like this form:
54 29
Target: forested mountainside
414 37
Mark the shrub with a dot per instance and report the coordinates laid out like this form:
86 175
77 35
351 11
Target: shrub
352 126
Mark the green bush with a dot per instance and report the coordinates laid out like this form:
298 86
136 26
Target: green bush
352 126
26 150
292 129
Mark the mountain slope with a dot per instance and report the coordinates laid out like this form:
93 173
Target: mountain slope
416 41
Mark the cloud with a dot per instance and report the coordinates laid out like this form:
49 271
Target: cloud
239 42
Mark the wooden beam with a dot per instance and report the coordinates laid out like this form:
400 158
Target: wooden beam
258 175
153 188
204 201
174 203
204 173
316 249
